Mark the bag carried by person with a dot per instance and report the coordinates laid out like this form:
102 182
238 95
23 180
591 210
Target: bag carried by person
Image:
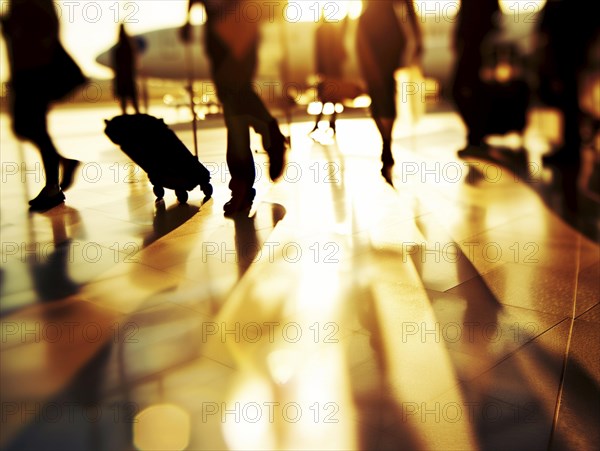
38 62
62 75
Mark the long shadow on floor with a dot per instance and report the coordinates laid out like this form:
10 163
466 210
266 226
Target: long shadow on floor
560 192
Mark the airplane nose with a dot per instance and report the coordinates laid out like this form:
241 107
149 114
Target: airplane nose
104 58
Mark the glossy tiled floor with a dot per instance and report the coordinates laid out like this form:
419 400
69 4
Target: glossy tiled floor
457 311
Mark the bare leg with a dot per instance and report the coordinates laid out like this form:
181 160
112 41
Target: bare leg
51 195
385 126
50 158
135 102
317 120
332 121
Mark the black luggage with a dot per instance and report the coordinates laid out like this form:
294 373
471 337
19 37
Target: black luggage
505 90
152 145
508 105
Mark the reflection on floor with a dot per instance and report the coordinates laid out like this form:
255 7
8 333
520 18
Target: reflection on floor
456 311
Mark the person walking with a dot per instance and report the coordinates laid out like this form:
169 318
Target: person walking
231 44
41 72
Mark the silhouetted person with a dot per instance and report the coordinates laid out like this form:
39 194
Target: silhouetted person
566 31
124 62
475 22
232 46
330 55
381 43
564 56
41 72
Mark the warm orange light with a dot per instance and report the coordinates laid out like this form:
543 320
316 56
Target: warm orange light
440 9
162 426
504 72
517 7
330 10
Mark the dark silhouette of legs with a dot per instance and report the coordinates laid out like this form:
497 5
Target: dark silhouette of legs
243 109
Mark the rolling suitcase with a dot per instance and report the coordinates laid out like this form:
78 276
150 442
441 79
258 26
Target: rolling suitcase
152 145
508 105
505 90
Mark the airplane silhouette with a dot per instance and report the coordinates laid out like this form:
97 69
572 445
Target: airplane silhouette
286 54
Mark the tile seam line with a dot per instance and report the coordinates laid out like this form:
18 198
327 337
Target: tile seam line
561 385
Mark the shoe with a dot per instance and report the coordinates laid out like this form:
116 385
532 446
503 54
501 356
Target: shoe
69 167
48 190
239 205
49 197
276 151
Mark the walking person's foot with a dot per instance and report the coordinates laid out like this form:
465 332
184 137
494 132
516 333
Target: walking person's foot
239 204
68 172
50 197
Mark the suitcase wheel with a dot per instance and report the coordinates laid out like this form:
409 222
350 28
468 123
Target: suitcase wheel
207 190
182 196
159 192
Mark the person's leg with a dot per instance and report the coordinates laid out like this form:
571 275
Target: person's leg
332 121
383 110
244 102
135 99
320 98
239 154
259 117
51 195
231 77
34 115
570 151
467 92
69 167
317 120
382 91
385 126
50 157
29 122
239 161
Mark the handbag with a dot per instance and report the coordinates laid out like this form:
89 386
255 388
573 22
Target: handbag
62 76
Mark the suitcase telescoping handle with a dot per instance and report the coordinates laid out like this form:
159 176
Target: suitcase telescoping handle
189 61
